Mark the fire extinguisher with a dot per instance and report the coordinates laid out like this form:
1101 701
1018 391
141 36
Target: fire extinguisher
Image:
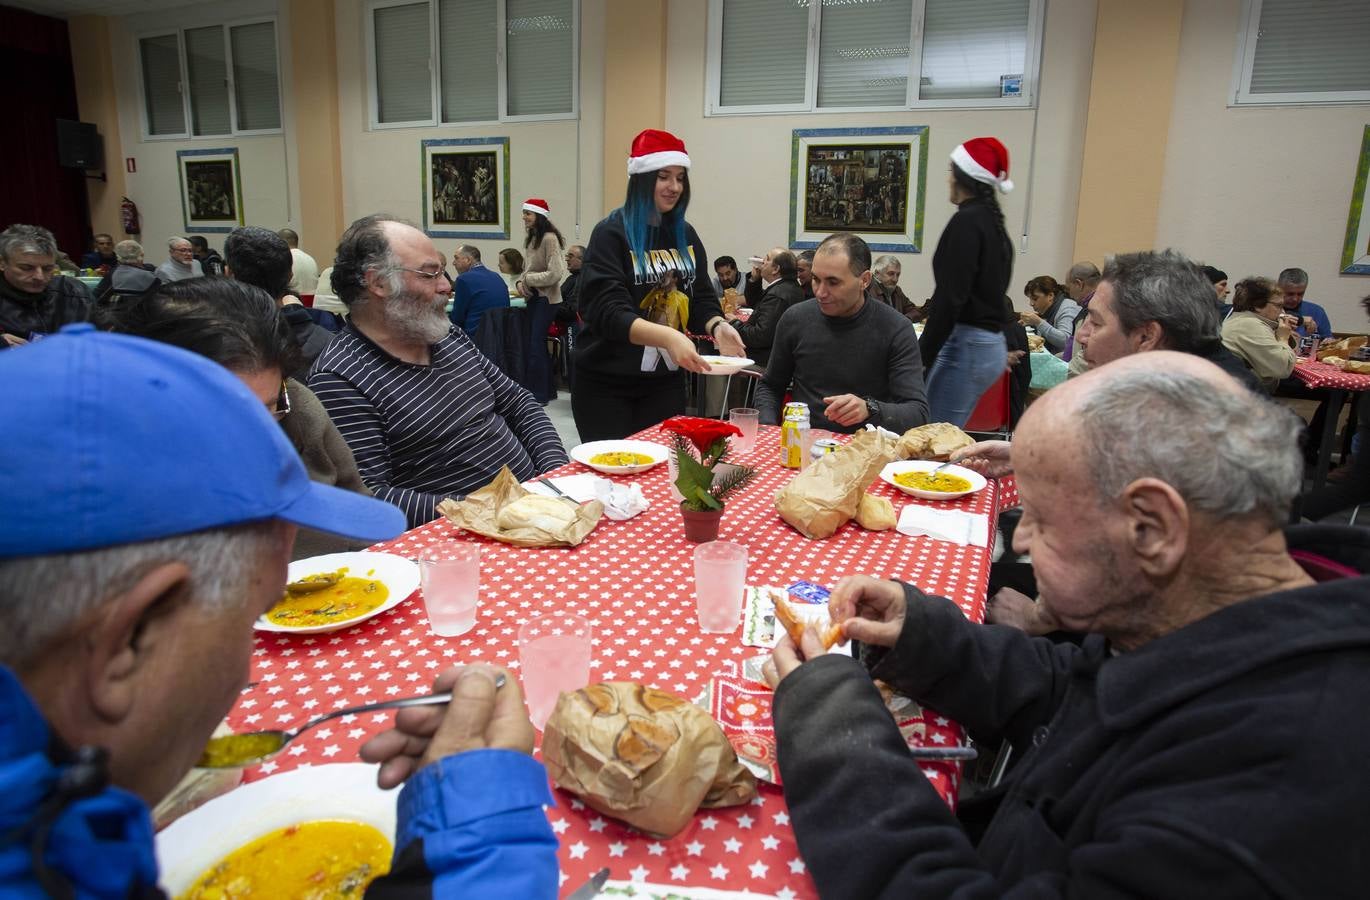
128 212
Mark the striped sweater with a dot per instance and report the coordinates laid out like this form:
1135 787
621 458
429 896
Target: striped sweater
424 433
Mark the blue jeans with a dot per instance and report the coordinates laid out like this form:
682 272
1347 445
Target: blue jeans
968 363
539 365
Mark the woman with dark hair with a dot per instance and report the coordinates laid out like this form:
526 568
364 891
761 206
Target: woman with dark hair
963 343
242 328
510 263
540 285
644 285
1053 312
1259 332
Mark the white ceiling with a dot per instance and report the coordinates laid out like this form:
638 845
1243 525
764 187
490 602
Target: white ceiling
63 9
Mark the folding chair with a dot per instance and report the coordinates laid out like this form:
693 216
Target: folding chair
991 414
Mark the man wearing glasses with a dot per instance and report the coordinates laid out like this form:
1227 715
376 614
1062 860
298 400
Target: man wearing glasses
426 414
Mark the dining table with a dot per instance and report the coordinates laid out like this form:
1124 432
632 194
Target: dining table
633 580
1339 385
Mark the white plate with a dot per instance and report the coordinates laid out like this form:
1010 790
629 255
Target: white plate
977 481
202 837
726 365
584 452
399 575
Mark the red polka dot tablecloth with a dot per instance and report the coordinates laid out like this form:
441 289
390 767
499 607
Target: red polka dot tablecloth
1321 375
634 581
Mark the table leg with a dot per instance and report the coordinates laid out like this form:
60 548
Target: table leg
1335 398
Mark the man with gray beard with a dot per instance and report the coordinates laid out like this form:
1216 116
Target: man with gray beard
426 414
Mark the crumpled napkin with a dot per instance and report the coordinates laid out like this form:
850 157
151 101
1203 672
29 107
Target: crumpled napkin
944 525
621 501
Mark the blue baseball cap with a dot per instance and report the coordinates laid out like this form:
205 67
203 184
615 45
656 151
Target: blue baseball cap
111 439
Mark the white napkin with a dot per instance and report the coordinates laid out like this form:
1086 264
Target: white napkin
621 501
944 525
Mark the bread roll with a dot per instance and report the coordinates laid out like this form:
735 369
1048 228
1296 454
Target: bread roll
534 511
875 513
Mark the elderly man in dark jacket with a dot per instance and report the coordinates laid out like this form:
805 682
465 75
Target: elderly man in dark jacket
34 298
1205 739
780 290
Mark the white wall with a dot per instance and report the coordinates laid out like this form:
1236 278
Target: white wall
1256 190
740 165
557 161
269 194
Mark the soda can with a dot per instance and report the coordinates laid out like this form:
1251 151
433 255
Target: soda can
793 408
822 446
793 437
1306 345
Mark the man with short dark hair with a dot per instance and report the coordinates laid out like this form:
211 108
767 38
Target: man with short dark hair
34 299
1182 749
726 276
780 292
261 257
151 506
102 258
426 414
210 260
304 271
852 360
1156 301
477 289
804 268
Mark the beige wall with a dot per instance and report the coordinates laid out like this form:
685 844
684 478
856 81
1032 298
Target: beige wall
1253 191
560 162
634 86
311 89
740 165
99 104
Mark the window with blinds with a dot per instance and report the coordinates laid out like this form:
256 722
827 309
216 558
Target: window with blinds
833 55
255 78
161 61
1305 51
222 79
482 60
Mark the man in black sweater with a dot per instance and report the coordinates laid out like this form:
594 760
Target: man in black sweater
851 360
1183 749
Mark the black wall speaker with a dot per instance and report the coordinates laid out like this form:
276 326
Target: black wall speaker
79 145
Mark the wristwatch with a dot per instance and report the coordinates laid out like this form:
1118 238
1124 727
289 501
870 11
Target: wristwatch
872 410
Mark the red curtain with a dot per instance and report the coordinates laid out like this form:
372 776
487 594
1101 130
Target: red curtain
35 66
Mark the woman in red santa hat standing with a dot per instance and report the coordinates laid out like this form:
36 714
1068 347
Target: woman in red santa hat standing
963 344
540 284
633 351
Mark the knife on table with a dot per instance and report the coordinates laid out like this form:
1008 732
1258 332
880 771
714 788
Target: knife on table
592 887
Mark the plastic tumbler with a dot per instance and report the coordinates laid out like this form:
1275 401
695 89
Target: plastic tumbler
554 656
720 578
450 576
746 420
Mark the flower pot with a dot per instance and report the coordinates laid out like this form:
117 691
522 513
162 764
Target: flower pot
701 527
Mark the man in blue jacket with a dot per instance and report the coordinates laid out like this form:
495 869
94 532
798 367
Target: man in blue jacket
475 290
151 506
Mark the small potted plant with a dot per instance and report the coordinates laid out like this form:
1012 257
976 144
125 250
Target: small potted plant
701 481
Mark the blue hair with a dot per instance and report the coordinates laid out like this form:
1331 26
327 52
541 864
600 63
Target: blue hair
638 210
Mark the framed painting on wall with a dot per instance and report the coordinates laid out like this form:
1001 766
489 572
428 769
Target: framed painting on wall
864 180
211 189
1355 251
466 187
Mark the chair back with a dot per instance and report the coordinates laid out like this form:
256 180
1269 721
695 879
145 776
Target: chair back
991 414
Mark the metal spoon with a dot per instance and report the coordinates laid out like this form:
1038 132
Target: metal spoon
233 751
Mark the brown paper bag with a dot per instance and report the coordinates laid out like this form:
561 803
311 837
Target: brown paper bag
642 755
936 441
825 496
479 513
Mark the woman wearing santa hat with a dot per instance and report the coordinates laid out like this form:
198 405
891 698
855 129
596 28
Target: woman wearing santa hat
540 283
963 342
644 284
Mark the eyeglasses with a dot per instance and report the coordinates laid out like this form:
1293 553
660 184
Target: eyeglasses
431 276
282 403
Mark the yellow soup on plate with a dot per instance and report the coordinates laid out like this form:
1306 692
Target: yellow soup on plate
621 458
346 598
311 861
943 482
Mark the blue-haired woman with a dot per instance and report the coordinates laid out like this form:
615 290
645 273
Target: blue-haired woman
644 284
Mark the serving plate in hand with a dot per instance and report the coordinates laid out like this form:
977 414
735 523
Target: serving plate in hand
399 575
203 836
583 453
726 365
977 481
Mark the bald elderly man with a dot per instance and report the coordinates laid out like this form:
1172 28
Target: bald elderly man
1185 749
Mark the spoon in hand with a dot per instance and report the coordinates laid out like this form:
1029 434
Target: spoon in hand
234 751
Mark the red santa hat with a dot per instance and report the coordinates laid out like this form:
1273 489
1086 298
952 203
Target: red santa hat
536 205
653 150
986 160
